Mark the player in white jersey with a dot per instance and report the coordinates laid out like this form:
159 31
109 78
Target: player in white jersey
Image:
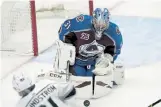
45 93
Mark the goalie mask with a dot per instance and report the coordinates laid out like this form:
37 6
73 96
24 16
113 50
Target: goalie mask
100 21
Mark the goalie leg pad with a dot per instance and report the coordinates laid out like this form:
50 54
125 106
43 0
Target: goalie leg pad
103 85
119 74
94 88
83 86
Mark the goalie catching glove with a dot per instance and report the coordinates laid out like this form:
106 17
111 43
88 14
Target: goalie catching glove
104 65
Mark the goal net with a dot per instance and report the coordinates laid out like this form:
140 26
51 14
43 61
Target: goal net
21 20
18 25
30 27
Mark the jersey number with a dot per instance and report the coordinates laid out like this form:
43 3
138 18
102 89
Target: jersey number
85 36
67 24
51 102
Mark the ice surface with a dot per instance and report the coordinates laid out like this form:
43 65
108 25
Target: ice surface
141 40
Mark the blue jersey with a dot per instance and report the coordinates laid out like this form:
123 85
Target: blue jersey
87 47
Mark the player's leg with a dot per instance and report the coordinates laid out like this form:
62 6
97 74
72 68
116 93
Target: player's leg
78 70
89 70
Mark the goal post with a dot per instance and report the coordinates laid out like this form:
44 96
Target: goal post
34 27
90 7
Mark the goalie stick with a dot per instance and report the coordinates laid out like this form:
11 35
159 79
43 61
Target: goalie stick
93 84
153 104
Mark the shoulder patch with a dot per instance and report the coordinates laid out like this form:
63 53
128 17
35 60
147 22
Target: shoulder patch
118 31
80 18
67 24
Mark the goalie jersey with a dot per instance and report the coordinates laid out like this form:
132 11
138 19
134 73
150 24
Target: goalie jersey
79 31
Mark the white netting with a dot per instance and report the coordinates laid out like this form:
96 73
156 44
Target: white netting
16 26
16 34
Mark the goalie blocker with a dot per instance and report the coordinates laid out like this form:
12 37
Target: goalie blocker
94 87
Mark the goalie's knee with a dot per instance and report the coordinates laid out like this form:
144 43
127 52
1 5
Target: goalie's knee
78 70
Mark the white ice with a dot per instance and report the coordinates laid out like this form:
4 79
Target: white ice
140 23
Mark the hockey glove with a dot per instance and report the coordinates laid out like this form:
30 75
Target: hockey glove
104 65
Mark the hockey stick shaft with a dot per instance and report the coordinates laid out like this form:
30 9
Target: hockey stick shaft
153 104
93 84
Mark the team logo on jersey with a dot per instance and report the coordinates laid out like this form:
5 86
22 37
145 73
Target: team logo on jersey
85 36
91 50
80 18
118 31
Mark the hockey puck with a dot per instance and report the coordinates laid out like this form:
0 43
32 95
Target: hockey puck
86 103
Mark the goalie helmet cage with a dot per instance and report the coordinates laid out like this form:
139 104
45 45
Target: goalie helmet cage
16 17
